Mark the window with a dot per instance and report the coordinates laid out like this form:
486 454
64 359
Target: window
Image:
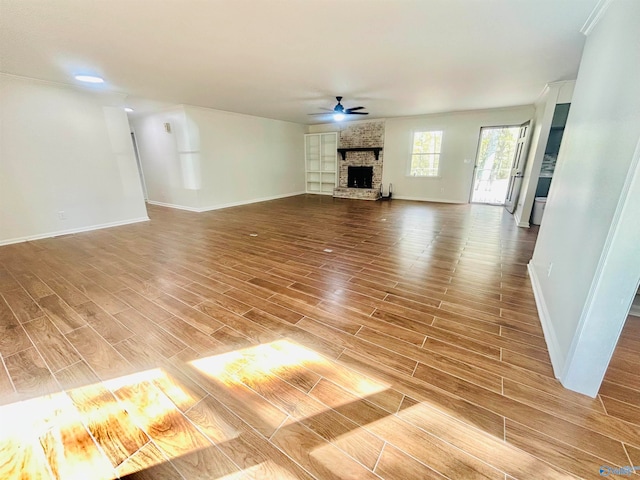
425 154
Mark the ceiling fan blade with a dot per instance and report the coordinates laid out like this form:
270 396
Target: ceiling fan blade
340 110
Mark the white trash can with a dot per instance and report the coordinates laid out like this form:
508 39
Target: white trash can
538 210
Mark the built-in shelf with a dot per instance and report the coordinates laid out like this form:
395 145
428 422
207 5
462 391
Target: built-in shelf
321 162
376 151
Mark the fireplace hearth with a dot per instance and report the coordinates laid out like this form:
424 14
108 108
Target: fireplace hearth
360 177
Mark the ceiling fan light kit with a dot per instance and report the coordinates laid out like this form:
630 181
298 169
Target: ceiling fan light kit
82 77
340 113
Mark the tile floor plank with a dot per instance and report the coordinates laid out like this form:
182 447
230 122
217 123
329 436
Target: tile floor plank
29 373
99 355
150 333
72 452
13 338
148 463
67 292
146 307
109 423
317 456
56 350
576 461
394 464
195 318
23 306
170 431
251 452
34 286
103 323
61 314
403 353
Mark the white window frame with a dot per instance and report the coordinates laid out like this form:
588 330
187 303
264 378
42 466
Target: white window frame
411 154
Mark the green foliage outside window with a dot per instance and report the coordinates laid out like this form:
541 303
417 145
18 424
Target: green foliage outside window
497 148
425 155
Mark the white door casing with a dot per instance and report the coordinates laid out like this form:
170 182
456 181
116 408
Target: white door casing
517 169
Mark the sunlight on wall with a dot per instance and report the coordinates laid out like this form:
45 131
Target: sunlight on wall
122 150
188 143
190 168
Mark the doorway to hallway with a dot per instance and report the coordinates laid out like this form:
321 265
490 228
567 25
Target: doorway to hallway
496 151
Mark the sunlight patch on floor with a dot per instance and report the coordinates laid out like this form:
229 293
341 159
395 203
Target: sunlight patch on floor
270 356
95 430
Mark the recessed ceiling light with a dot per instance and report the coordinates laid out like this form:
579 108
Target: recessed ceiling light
89 78
128 109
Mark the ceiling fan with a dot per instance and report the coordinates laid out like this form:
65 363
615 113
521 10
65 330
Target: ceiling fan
339 112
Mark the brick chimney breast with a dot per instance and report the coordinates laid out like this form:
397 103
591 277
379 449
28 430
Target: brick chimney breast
365 134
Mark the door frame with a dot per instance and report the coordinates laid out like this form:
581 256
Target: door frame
517 172
475 163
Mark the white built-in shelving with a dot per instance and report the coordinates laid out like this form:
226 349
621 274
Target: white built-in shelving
320 151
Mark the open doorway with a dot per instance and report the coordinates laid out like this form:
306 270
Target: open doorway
496 151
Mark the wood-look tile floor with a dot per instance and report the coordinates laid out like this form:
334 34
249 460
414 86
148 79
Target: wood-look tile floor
300 338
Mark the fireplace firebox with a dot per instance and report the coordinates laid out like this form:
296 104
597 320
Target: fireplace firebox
360 177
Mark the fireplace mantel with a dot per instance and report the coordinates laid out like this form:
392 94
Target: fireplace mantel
376 151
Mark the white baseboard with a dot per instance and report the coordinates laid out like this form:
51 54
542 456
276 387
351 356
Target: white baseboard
254 200
558 359
70 231
635 307
173 205
225 205
422 199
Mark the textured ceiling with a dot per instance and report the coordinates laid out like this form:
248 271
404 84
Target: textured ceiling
284 59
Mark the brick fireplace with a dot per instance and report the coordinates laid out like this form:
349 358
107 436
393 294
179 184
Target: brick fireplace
360 172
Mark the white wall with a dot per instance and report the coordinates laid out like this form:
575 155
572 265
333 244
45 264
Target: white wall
580 237
160 155
213 159
246 158
63 149
459 146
